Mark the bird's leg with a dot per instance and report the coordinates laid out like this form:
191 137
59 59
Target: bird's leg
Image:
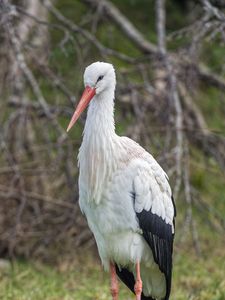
114 282
138 283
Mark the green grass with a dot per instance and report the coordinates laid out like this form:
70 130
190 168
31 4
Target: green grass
195 278
199 278
68 281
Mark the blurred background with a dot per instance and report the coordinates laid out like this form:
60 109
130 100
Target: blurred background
169 61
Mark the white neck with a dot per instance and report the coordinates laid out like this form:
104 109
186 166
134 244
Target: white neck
97 151
100 118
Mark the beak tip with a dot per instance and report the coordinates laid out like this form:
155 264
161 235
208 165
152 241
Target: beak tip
68 128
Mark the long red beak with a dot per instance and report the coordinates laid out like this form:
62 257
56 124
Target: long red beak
86 97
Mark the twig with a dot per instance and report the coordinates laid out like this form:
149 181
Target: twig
14 194
127 27
75 28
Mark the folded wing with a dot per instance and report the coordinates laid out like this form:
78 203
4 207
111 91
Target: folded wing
155 210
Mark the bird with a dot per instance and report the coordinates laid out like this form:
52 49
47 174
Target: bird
124 194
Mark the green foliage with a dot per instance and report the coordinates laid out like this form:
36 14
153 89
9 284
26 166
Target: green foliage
211 103
142 14
213 54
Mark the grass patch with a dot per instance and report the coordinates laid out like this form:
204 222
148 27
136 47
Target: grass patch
25 280
196 278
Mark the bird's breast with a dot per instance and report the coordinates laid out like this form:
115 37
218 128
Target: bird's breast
114 212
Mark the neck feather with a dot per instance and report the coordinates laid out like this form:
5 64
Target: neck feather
97 152
100 117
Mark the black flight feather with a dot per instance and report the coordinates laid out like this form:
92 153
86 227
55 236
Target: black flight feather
128 278
158 234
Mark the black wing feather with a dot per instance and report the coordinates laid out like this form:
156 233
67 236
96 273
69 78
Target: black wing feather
158 234
128 278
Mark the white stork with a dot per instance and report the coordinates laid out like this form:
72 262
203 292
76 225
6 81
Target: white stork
124 194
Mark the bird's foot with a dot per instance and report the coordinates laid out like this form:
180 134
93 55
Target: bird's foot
138 289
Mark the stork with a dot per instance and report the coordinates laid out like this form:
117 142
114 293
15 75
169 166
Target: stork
124 194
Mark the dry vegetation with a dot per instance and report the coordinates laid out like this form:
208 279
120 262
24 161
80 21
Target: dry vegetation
170 98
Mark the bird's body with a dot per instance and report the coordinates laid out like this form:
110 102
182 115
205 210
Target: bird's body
125 196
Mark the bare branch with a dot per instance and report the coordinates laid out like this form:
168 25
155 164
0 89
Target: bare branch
160 25
128 28
174 96
73 27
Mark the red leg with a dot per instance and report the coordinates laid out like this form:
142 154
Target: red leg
138 283
114 282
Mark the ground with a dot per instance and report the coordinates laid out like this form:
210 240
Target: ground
192 279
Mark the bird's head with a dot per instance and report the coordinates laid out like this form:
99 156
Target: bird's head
99 77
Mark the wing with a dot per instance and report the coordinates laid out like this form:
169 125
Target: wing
155 211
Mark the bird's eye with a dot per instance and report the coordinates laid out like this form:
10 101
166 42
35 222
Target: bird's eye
100 78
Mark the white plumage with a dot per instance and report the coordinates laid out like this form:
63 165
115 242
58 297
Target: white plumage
124 193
